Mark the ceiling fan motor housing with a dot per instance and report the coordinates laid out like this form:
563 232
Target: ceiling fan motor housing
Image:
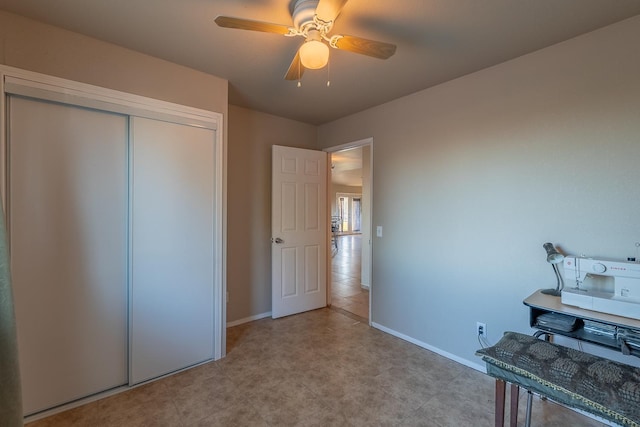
303 13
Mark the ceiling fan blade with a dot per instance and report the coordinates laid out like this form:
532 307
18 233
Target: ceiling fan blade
296 69
328 10
362 46
247 24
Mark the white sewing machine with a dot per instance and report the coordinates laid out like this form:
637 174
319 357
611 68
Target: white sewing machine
601 285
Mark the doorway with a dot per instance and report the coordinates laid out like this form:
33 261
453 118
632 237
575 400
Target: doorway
350 207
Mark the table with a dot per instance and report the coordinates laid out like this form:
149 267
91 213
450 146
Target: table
567 376
540 303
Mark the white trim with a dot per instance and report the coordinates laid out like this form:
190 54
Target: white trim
3 146
354 144
426 346
100 396
220 324
220 243
365 287
40 82
76 403
248 319
129 250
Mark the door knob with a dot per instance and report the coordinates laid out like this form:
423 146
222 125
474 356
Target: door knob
278 240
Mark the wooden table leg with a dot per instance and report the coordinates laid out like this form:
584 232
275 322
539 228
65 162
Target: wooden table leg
513 414
500 391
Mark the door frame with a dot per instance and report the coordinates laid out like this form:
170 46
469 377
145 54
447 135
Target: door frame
51 88
334 149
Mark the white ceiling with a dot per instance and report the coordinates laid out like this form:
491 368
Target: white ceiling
438 40
346 167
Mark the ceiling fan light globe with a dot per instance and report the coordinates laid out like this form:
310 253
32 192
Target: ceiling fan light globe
314 54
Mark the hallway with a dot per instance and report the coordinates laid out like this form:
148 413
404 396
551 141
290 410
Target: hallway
346 292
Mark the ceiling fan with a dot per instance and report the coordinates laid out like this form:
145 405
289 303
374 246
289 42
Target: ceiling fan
313 20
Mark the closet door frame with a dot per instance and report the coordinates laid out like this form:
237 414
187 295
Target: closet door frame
26 83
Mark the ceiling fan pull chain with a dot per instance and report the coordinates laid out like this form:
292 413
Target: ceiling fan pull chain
329 72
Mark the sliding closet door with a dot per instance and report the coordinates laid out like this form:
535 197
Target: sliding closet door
172 253
67 215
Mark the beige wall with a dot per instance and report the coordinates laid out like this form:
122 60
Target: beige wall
542 148
251 135
50 50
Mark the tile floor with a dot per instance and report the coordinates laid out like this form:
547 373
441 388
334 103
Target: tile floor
320 368
346 292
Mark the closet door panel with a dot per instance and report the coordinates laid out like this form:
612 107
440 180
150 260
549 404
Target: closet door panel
67 215
172 258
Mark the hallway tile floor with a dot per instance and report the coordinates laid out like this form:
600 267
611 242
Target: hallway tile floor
346 290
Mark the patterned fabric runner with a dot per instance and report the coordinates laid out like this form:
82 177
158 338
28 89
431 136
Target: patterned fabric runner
608 388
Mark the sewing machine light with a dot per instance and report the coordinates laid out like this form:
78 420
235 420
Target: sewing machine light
554 258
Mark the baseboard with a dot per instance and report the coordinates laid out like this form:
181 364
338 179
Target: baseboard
465 362
248 319
75 404
102 395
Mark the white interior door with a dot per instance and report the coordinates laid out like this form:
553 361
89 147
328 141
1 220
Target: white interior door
299 230
172 247
67 216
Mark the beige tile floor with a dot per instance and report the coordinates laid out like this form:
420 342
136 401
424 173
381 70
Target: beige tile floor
346 291
320 368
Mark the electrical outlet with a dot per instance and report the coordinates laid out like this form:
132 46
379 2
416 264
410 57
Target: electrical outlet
481 329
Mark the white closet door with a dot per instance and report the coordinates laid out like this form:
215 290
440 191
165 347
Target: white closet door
67 214
172 259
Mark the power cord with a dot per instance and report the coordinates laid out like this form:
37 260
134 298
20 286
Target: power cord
483 341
